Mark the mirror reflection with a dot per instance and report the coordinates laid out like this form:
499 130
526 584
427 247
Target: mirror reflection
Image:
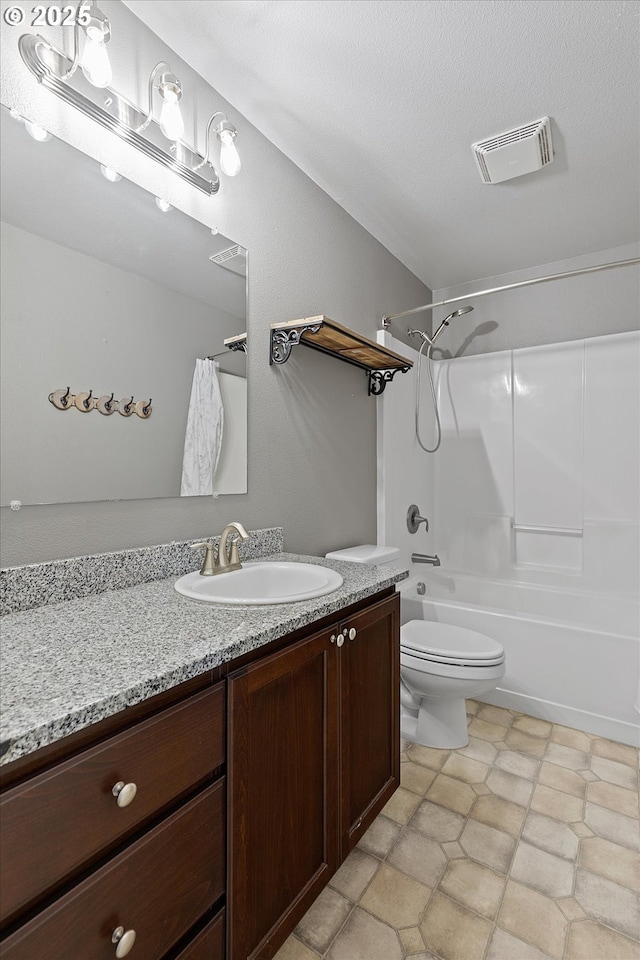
105 293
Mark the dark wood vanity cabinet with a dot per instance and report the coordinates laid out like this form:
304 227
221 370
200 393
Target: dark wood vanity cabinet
313 757
249 794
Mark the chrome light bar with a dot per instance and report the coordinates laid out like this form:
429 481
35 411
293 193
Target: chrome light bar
115 113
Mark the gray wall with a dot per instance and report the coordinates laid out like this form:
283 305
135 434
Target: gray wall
591 305
312 431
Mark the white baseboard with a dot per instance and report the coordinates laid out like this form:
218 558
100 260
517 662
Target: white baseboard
608 727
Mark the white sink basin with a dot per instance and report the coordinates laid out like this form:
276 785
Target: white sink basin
262 582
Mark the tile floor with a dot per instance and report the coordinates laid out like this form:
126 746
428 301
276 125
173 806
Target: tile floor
521 846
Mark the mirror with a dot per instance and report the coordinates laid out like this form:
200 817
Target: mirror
102 291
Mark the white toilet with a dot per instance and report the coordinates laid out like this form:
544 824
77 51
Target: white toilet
440 666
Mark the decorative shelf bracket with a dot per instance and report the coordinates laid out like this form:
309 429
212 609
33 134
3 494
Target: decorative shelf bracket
236 344
327 336
378 379
283 340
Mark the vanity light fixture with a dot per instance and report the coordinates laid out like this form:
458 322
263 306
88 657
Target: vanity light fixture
110 174
33 129
170 90
226 133
95 59
94 62
89 90
36 131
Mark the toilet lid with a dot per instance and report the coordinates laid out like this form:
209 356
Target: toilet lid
445 642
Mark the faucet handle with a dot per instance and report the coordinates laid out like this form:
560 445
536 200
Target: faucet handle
209 564
234 556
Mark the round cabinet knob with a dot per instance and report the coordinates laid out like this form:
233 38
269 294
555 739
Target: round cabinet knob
333 638
353 633
340 640
124 793
124 940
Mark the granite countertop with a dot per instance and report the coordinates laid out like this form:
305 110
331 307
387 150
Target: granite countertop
67 665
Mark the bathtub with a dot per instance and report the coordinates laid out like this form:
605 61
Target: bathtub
571 658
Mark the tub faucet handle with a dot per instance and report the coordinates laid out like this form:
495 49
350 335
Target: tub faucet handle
414 519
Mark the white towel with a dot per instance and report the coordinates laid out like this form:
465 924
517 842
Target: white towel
203 437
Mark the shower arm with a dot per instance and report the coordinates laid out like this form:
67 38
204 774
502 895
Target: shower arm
386 320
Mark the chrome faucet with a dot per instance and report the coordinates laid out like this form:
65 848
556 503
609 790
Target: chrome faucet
230 561
425 558
226 560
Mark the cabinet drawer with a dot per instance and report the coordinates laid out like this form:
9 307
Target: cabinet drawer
159 887
209 944
57 822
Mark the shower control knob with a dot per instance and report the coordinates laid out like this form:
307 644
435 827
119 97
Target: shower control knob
414 519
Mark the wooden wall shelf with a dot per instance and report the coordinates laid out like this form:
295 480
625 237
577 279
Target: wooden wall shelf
327 336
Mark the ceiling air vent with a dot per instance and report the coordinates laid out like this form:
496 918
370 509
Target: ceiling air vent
515 152
233 258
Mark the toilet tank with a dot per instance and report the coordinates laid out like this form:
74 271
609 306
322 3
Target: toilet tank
369 553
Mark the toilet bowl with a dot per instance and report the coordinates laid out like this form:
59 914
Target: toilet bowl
440 666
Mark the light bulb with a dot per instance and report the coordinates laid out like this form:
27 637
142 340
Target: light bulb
229 156
163 205
37 132
95 59
110 174
171 122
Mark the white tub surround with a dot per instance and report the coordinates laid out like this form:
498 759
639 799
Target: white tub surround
534 512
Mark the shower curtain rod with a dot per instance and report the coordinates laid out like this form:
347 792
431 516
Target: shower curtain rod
386 320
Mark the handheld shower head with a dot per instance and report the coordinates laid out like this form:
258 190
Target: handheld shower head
458 313
452 316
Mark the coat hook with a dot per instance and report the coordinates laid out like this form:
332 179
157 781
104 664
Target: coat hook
59 398
105 405
84 402
125 407
143 408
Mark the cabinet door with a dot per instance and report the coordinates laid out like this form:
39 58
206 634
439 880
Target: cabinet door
370 716
283 792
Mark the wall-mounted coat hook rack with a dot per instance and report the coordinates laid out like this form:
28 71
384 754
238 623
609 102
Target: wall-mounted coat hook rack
63 399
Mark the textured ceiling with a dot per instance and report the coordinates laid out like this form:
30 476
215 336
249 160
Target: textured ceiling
378 102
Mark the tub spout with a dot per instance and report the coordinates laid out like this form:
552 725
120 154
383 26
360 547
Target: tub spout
425 558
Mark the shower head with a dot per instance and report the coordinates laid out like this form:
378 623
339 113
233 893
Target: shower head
445 323
458 313
452 316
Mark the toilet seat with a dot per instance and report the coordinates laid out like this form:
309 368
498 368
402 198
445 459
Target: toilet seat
448 644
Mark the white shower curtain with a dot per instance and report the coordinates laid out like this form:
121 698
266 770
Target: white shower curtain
203 438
